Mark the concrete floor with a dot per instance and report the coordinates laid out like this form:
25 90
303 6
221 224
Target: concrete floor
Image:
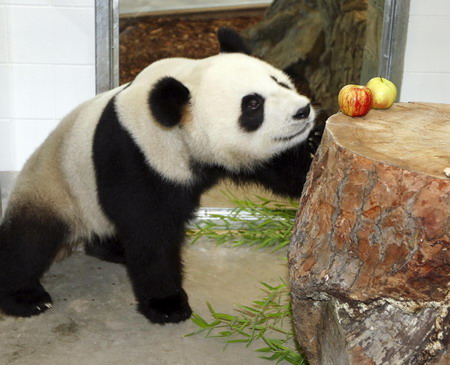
94 321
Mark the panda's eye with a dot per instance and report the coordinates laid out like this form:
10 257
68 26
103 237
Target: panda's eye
253 104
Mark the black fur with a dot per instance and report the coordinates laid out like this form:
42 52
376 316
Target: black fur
252 112
107 249
29 241
167 99
150 215
231 41
284 174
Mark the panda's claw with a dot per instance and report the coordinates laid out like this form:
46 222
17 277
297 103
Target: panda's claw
25 302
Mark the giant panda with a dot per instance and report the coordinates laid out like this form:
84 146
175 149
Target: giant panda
124 172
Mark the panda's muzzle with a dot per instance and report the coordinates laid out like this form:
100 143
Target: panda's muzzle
303 113
292 136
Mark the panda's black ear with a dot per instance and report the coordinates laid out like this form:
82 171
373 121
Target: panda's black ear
231 41
167 100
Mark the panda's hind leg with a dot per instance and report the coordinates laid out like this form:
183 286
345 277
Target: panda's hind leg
29 241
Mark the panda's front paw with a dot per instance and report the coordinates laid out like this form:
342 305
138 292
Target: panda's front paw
25 302
170 309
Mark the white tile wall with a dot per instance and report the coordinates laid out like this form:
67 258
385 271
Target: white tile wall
426 86
72 3
71 85
430 7
427 57
6 142
47 67
3 33
6 97
28 135
32 91
428 45
25 2
51 35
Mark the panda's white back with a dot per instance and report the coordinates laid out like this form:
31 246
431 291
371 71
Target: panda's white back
59 175
78 168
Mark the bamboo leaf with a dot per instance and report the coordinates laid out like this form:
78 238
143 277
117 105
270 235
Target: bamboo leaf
200 322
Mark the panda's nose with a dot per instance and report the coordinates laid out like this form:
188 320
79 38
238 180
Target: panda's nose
303 112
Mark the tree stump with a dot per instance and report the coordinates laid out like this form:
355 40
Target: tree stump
369 261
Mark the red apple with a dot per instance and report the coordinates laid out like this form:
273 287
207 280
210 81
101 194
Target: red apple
384 92
355 100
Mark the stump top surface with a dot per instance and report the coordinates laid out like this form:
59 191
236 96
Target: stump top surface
412 136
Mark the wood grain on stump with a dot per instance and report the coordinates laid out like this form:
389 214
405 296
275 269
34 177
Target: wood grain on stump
369 261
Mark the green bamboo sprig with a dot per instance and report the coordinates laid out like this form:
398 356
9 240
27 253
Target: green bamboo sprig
264 320
271 224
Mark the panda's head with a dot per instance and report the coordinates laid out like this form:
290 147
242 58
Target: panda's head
234 110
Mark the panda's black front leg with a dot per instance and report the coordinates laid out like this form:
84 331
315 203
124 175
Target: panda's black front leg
152 255
148 210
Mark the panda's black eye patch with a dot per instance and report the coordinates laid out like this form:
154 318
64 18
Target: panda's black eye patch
252 112
281 83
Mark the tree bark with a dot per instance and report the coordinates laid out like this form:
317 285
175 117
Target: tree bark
369 261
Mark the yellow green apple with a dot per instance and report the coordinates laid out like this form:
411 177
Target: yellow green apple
384 92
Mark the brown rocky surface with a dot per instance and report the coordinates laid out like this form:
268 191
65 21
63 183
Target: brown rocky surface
369 260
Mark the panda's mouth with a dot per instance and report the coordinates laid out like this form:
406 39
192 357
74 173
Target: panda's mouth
288 138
